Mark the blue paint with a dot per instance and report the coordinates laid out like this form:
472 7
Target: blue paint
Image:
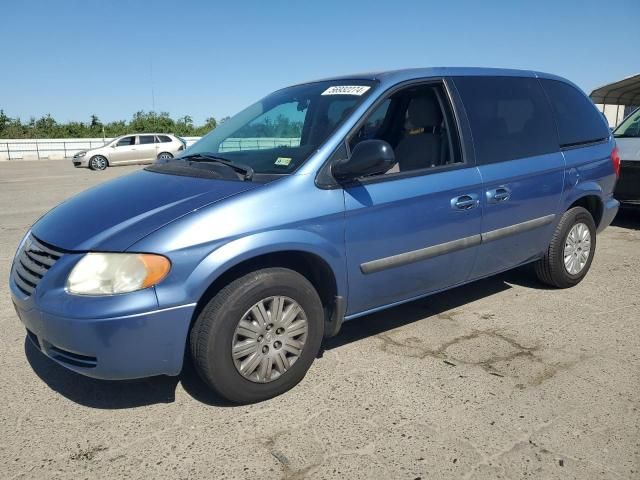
206 227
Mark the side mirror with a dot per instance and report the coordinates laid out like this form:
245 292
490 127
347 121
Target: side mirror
369 157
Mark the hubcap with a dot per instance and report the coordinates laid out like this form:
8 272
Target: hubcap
269 339
164 156
577 248
99 163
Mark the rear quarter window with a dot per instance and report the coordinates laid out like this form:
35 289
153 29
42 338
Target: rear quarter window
579 122
510 117
164 138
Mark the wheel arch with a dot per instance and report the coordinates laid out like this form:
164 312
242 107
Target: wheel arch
318 258
589 196
310 265
593 204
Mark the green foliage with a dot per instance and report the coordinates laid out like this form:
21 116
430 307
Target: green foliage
281 127
48 127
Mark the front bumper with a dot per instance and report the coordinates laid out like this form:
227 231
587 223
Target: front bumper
132 346
80 161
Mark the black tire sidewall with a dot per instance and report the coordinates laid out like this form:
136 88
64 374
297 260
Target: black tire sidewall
224 311
573 216
164 153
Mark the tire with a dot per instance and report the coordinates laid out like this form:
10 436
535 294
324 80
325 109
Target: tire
98 163
165 156
551 269
216 331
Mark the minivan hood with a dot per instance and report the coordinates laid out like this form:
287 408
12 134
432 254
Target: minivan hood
118 213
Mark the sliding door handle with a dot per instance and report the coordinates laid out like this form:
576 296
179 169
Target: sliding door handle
497 195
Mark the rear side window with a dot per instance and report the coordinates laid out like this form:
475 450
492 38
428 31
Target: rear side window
510 117
144 139
578 120
164 138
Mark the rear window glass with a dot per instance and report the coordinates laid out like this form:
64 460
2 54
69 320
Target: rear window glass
578 120
164 138
510 117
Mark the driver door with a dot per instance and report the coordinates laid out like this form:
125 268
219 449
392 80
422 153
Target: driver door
416 228
124 151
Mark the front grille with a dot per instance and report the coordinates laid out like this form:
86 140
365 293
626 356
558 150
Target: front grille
33 260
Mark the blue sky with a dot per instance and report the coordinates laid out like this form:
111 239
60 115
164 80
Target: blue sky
75 58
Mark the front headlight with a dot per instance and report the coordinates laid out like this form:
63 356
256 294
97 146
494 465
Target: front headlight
79 154
111 273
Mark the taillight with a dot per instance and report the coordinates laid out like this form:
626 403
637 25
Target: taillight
615 160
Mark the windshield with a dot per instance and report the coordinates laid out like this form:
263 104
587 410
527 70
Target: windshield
630 127
278 133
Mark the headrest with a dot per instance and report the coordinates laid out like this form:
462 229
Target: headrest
424 112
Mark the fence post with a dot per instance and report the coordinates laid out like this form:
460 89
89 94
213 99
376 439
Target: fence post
8 152
64 147
37 149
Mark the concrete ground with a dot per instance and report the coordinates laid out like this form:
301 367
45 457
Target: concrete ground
498 379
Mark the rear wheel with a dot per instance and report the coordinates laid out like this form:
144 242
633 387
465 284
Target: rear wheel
259 335
98 163
571 250
165 156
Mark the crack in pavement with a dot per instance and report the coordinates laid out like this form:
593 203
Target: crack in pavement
412 348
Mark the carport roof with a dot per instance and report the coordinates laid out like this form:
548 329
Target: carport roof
623 92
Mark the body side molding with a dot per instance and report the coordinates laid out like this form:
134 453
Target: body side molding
421 254
517 228
406 258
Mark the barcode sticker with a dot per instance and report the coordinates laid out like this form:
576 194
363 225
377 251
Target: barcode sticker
346 90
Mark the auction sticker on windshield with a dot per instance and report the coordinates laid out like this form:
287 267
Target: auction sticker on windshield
284 161
346 90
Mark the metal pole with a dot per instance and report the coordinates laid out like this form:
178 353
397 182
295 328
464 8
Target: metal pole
617 115
37 149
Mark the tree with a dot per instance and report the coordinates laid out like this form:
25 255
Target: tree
141 122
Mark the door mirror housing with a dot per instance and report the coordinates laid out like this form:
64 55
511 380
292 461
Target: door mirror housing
369 157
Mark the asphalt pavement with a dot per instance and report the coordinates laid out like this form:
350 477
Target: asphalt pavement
502 378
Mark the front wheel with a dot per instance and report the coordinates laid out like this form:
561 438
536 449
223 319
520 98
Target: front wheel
98 163
259 335
571 250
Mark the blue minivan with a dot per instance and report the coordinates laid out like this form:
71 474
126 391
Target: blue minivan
318 204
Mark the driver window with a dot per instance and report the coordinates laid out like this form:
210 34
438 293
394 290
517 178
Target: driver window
126 141
416 126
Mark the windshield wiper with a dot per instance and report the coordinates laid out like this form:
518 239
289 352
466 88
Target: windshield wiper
245 170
